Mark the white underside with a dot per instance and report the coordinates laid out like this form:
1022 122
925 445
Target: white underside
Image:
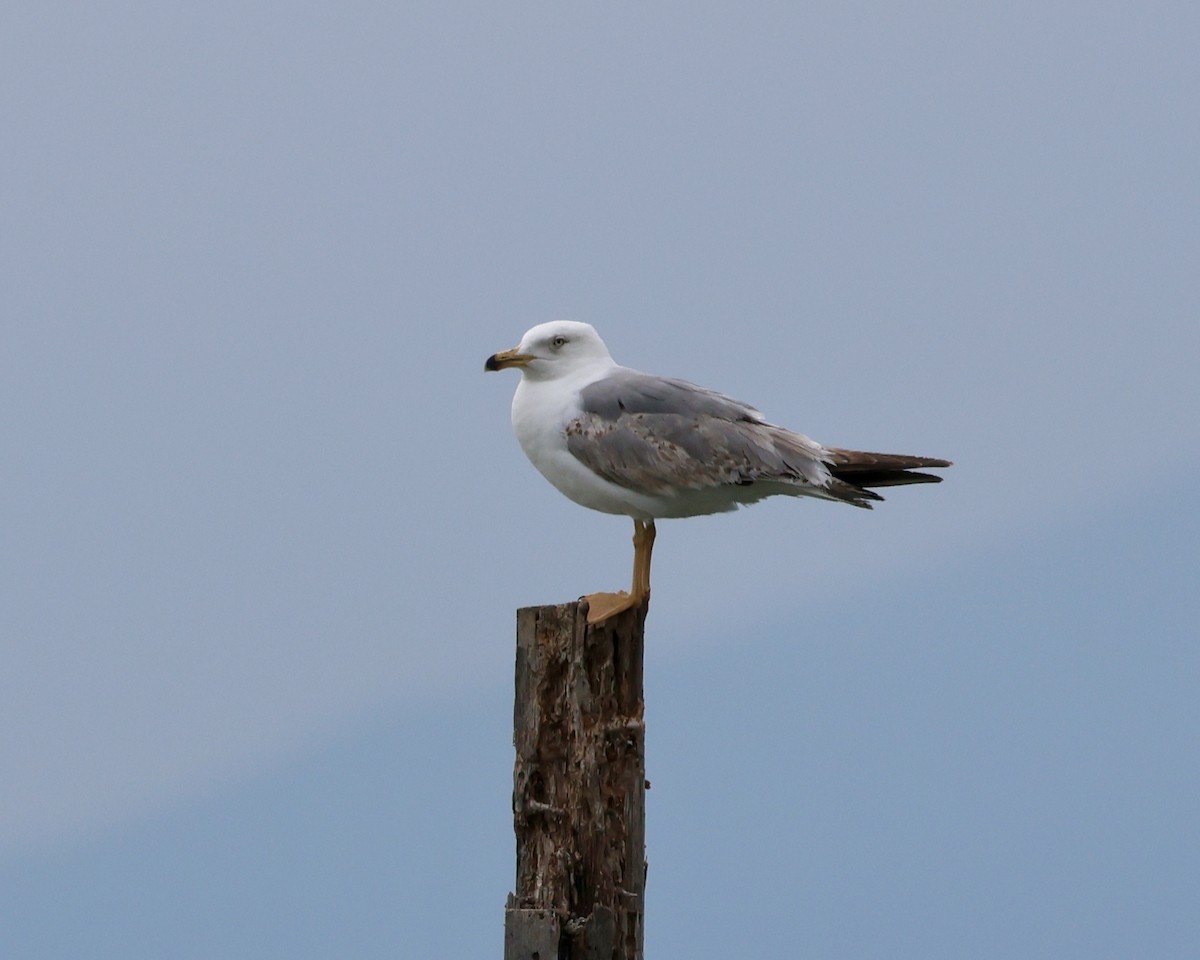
541 411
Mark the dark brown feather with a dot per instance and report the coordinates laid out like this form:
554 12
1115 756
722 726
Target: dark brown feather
863 469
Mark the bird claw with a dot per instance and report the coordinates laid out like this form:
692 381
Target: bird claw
602 606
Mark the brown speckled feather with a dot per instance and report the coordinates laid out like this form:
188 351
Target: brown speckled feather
659 436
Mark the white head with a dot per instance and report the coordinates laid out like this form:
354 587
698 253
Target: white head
553 350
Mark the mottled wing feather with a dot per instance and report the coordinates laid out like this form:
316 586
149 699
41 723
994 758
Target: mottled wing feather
661 436
657 436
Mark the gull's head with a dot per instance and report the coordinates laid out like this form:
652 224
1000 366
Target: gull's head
553 350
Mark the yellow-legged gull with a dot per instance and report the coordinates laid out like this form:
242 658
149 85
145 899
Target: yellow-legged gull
619 441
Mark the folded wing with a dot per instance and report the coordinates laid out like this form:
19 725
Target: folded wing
661 436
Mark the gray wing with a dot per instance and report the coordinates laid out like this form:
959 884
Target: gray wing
628 391
659 436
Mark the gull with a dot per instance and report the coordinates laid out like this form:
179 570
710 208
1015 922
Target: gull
619 441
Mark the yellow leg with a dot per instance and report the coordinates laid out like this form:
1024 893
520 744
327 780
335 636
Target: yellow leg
601 606
643 548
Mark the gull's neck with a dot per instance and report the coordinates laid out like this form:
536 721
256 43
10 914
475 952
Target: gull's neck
579 375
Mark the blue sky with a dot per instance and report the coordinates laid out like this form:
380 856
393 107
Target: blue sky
996 766
267 524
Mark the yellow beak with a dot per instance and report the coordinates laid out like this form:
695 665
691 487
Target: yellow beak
507 358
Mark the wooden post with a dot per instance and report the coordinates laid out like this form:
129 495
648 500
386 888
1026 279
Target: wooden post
579 787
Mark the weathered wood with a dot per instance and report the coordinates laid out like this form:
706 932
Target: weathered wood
579 785
530 934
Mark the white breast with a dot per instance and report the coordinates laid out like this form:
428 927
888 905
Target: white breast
541 411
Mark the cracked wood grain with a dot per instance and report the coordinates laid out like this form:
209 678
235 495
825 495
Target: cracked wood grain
579 784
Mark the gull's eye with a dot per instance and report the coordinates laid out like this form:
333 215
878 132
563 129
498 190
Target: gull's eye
558 342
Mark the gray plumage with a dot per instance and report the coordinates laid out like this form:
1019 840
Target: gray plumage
659 436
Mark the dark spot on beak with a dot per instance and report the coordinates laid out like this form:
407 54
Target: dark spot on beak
491 364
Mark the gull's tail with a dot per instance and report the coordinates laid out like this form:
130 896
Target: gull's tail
855 471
